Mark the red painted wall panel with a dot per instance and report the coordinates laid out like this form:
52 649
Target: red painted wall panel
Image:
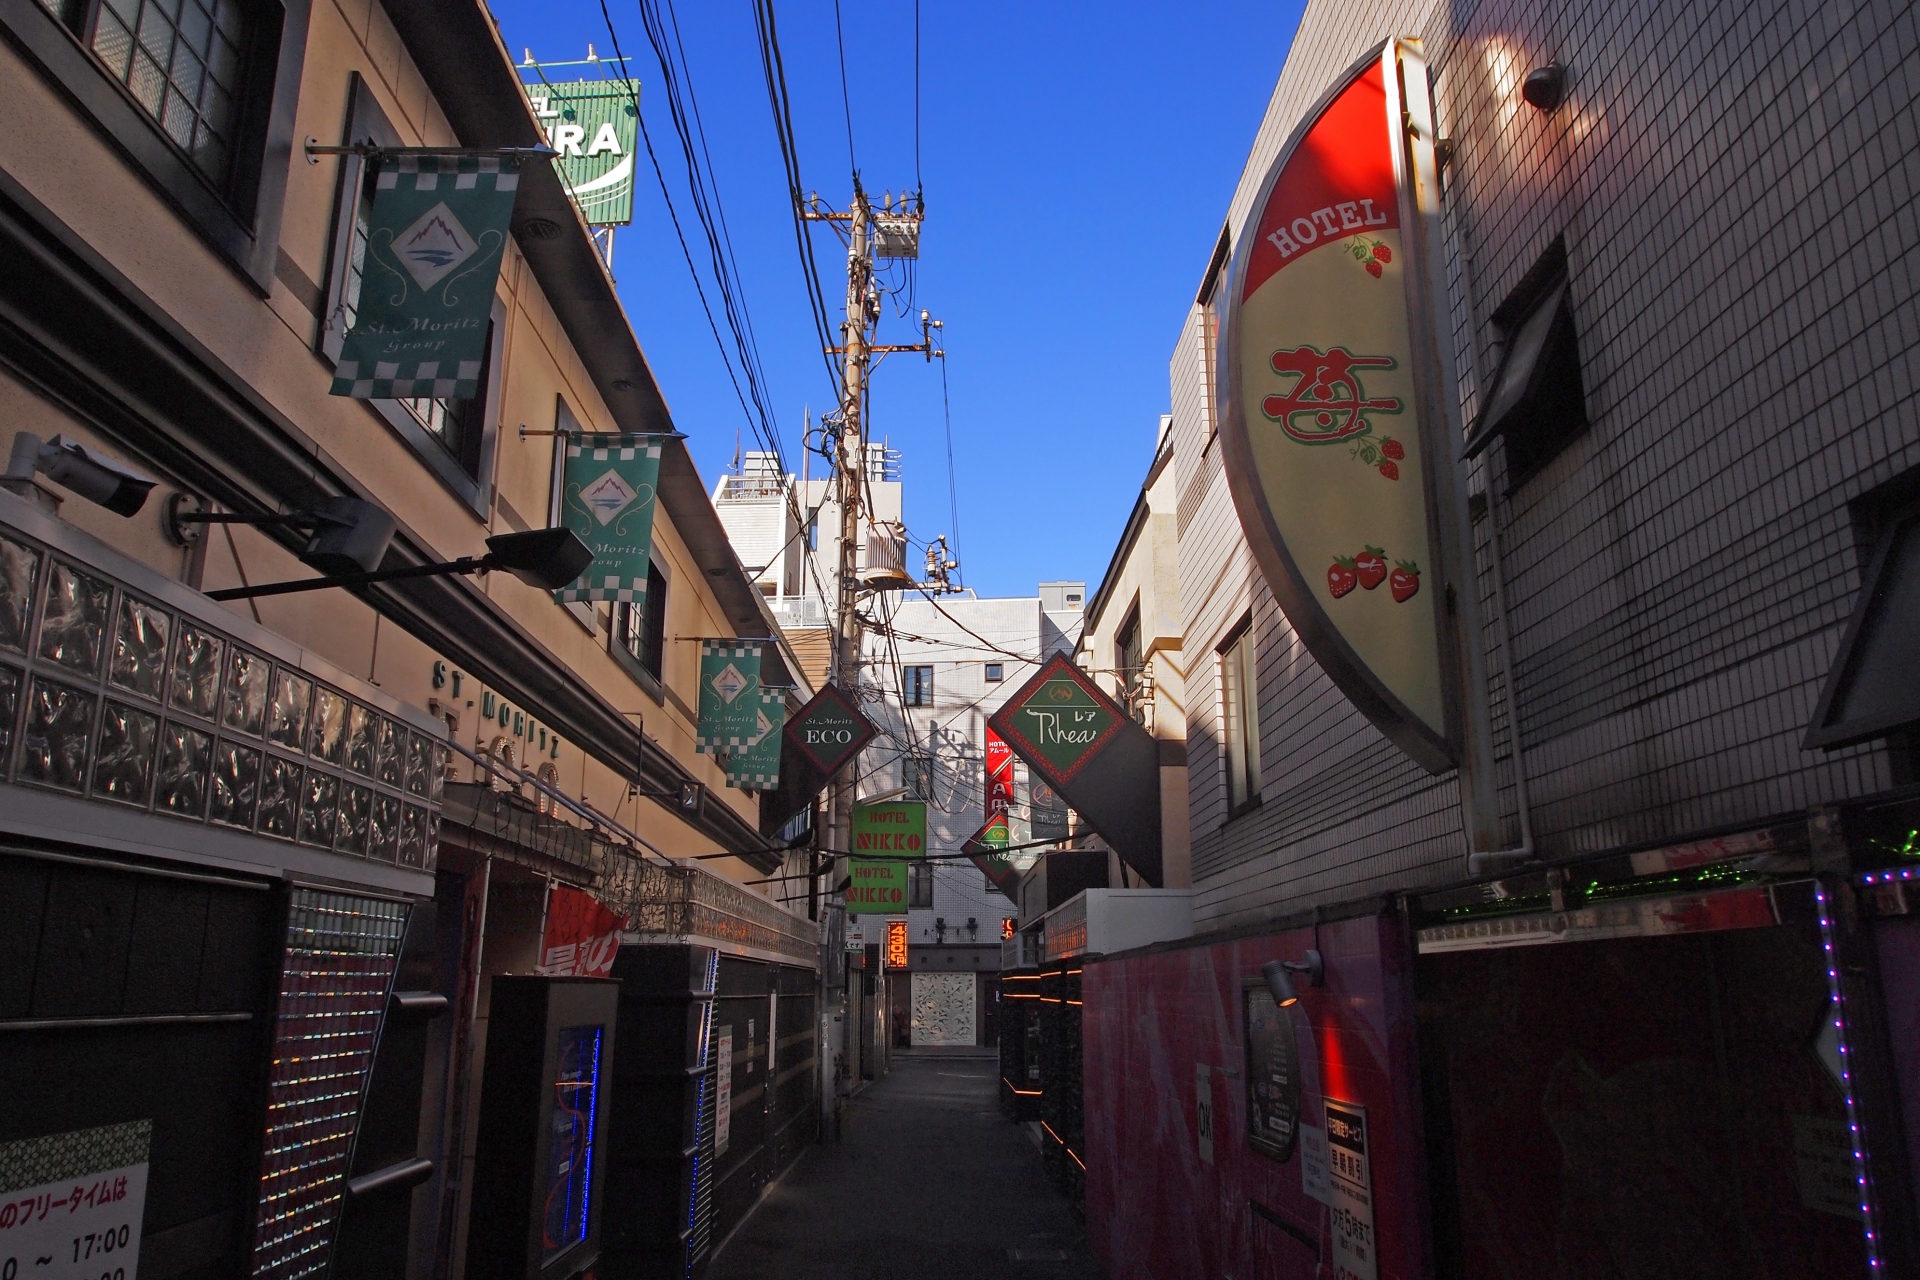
1154 1209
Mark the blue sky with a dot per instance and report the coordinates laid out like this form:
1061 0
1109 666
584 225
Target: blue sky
1077 160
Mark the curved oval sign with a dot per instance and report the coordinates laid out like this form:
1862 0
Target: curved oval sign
1325 360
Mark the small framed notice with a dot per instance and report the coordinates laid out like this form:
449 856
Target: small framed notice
71 1203
1273 1073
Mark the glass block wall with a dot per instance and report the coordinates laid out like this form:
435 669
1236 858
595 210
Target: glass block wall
110 696
342 950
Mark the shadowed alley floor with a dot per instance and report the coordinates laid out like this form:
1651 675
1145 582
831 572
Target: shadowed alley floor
931 1182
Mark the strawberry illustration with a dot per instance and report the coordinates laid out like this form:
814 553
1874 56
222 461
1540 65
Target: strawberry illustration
1391 448
1371 565
1390 469
1373 269
1383 253
1405 582
1341 576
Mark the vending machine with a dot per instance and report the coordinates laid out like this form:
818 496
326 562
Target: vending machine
543 1120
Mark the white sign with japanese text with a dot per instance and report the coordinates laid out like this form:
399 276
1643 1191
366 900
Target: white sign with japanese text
80 1218
1355 1255
1314 1177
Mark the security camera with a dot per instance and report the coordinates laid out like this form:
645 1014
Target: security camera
92 475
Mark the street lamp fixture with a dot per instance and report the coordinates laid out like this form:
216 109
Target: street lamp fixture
545 558
92 475
1279 976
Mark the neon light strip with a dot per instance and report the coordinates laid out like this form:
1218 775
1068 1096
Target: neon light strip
1051 1134
1076 1159
1846 1076
1023 1093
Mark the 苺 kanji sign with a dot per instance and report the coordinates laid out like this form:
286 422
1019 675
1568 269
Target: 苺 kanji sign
1333 413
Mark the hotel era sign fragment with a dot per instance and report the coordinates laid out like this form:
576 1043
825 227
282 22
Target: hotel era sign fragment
1334 409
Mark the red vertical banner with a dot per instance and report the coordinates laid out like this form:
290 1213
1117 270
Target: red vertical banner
999 797
582 935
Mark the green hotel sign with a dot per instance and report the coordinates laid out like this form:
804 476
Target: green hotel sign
877 886
593 124
897 829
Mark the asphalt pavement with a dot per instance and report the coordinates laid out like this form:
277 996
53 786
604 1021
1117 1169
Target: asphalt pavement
929 1182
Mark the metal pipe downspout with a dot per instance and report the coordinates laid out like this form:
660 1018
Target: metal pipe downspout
1481 861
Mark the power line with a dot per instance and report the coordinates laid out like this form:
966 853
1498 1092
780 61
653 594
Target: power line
953 487
846 99
917 182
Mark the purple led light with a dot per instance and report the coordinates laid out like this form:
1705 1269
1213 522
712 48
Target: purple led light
1846 1075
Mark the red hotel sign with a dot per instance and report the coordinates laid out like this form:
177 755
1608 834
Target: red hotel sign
1334 401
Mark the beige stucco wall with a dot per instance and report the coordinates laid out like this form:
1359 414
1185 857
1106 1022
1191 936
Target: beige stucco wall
269 343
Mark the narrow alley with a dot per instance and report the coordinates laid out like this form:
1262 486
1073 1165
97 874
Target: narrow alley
930 1181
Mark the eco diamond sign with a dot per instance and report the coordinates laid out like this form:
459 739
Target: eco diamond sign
1335 409
433 249
829 731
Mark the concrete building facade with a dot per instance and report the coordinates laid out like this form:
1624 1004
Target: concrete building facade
1681 564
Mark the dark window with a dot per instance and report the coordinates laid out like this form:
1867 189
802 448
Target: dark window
996 672
1129 668
919 685
1212 301
198 95
639 631
1536 403
184 63
1871 692
919 886
1240 705
453 437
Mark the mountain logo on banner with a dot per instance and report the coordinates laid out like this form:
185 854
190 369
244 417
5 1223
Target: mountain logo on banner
729 684
608 496
434 245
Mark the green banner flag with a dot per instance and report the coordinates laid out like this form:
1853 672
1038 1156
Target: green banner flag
897 829
877 886
757 767
593 124
608 498
433 249
730 710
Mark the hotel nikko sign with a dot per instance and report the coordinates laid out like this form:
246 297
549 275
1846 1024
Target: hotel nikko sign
1334 404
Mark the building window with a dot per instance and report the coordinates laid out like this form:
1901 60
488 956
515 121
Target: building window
1239 696
996 672
919 886
1536 403
919 686
1128 669
198 96
1212 302
640 630
456 425
1870 692
454 438
184 63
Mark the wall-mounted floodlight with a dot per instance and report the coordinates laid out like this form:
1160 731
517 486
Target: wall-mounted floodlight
1279 976
545 558
1545 87
89 473
345 535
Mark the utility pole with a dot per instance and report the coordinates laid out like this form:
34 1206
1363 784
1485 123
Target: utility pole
900 238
